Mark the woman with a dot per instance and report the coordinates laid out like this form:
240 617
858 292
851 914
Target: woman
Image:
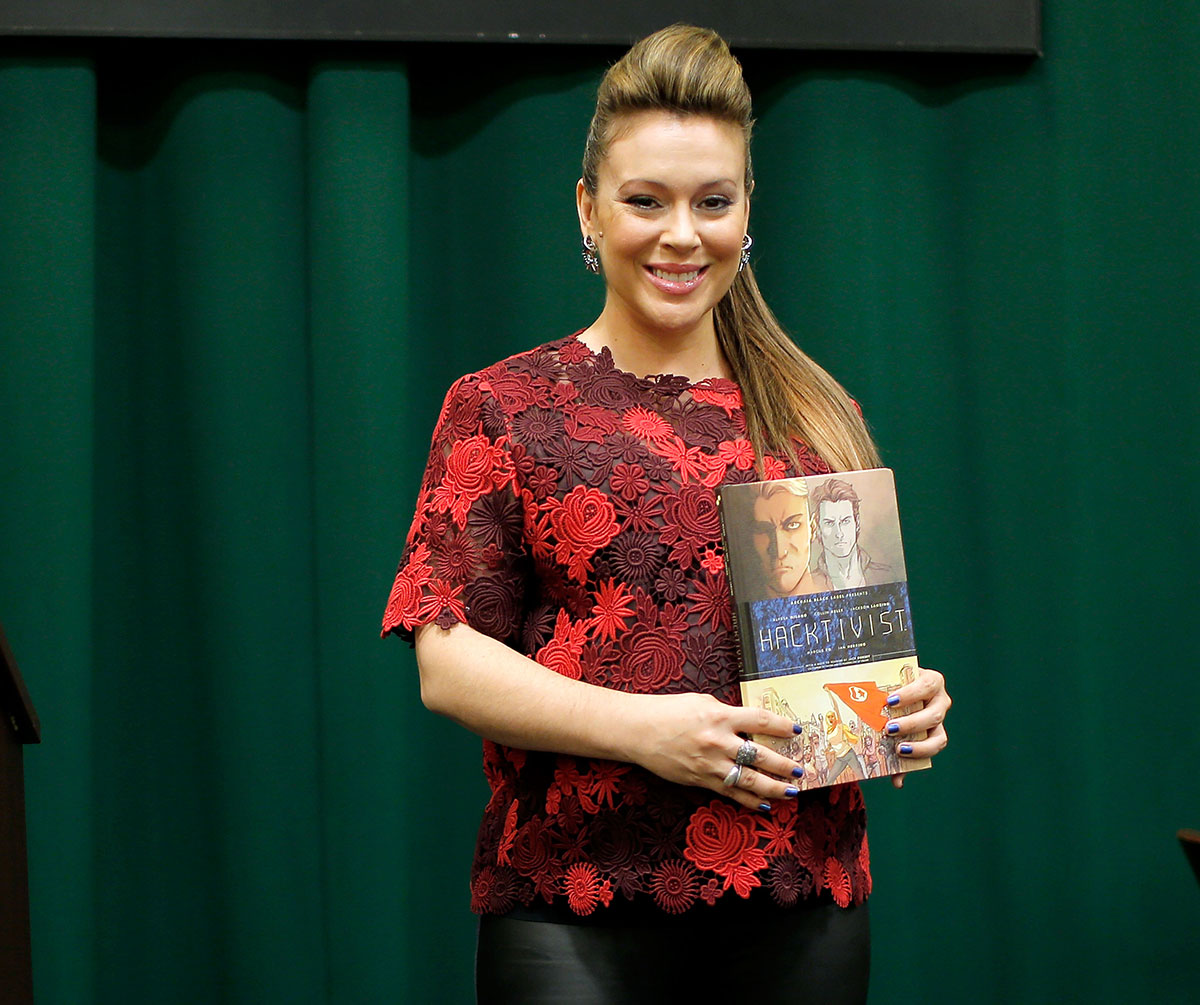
564 583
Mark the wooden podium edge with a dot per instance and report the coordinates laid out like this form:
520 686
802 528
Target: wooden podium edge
1189 840
14 698
16 951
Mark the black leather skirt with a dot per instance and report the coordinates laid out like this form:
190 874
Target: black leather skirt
820 950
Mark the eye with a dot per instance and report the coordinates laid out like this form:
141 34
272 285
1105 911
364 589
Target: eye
715 203
642 201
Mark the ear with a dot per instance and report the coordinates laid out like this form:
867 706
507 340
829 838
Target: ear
586 207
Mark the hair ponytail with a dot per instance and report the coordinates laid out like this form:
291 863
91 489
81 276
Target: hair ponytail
785 392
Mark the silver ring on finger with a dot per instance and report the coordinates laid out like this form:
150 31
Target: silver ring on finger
734 774
746 754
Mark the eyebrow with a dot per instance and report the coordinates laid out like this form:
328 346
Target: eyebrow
662 184
770 524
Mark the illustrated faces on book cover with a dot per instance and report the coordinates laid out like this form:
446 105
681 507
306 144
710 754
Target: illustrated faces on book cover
668 217
781 533
838 527
835 505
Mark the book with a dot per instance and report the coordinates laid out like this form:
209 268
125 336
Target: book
820 597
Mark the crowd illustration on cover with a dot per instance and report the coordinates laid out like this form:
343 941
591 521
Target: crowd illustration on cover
837 746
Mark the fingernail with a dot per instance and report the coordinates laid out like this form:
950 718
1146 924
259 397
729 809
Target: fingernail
905 748
893 699
893 728
797 772
791 791
797 728
764 807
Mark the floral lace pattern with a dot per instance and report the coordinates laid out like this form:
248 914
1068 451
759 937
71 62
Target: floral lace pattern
568 510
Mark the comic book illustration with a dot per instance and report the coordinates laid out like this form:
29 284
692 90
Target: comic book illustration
820 596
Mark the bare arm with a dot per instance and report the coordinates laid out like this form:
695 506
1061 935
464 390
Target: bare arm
687 738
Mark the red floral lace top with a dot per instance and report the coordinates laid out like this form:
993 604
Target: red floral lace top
568 511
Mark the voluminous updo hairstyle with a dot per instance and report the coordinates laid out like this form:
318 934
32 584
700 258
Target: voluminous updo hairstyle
688 71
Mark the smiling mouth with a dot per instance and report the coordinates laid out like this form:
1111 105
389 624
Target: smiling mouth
676 277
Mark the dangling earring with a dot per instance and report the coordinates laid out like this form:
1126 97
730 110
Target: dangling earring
590 259
747 244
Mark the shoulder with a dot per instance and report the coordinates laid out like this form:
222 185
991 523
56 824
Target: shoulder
874 573
866 561
509 385
545 360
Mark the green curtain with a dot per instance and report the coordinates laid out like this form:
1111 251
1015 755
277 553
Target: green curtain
234 285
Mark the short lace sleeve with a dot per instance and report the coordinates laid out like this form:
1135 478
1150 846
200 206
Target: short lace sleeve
465 556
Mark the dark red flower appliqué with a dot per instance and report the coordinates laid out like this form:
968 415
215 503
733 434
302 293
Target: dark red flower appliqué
629 481
675 885
651 652
692 523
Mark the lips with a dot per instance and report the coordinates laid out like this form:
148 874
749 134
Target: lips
676 279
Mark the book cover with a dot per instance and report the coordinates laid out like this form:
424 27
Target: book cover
820 597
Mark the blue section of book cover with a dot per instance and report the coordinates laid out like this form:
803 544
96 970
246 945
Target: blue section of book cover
823 630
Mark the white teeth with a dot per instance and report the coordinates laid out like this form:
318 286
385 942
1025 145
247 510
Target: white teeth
677 277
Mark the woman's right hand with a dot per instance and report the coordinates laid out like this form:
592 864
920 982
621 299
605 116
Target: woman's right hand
692 739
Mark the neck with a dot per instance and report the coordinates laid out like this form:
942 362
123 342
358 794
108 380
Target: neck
692 353
842 567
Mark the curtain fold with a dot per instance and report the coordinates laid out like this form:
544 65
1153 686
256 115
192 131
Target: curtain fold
234 287
210 785
365 362
47 454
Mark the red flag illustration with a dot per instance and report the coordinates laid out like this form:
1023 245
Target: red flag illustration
866 699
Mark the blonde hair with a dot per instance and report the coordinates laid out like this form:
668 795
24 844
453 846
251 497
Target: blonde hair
797 487
690 71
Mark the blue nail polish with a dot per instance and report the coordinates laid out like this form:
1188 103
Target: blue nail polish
764 807
893 728
905 748
797 772
797 728
893 700
791 791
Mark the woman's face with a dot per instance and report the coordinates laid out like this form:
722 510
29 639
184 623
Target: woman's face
668 217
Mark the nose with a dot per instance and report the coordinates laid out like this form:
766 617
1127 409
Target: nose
781 543
681 230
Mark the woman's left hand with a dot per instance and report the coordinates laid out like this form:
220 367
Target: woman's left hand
928 694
